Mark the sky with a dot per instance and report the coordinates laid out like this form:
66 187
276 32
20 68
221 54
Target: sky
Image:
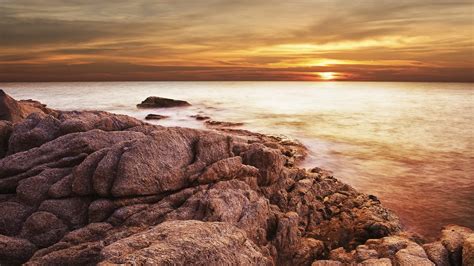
374 40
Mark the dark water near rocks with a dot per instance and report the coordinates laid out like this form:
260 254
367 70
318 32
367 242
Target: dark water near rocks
410 144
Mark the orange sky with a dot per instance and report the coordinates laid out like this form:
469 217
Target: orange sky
396 40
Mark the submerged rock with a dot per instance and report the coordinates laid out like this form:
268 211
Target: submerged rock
215 123
200 117
159 102
99 188
155 117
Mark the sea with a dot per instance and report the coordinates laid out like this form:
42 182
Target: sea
409 144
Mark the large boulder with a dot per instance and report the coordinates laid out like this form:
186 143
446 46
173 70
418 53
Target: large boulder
160 102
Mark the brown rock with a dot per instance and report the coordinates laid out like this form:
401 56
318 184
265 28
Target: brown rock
15 250
14 111
34 190
43 229
12 216
36 129
437 253
327 263
159 102
405 258
186 242
363 253
468 250
227 169
6 129
268 161
232 202
73 211
452 237
100 210
341 255
376 262
80 254
10 110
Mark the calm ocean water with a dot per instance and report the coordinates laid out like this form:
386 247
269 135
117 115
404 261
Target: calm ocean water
410 144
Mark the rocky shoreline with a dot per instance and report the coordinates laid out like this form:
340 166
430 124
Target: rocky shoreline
91 187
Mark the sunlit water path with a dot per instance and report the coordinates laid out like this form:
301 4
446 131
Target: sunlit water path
410 144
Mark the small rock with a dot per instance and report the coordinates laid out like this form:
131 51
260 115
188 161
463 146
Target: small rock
406 258
201 117
341 255
223 124
159 102
376 262
155 117
363 253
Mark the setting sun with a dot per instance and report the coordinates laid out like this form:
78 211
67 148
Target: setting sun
327 75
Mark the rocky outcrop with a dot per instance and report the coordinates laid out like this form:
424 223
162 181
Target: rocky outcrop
99 188
14 111
160 102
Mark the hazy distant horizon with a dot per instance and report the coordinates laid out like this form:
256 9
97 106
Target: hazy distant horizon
316 81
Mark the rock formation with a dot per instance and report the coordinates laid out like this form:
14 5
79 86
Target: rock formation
14 111
159 102
97 188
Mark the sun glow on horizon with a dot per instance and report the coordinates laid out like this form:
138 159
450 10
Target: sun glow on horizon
327 75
